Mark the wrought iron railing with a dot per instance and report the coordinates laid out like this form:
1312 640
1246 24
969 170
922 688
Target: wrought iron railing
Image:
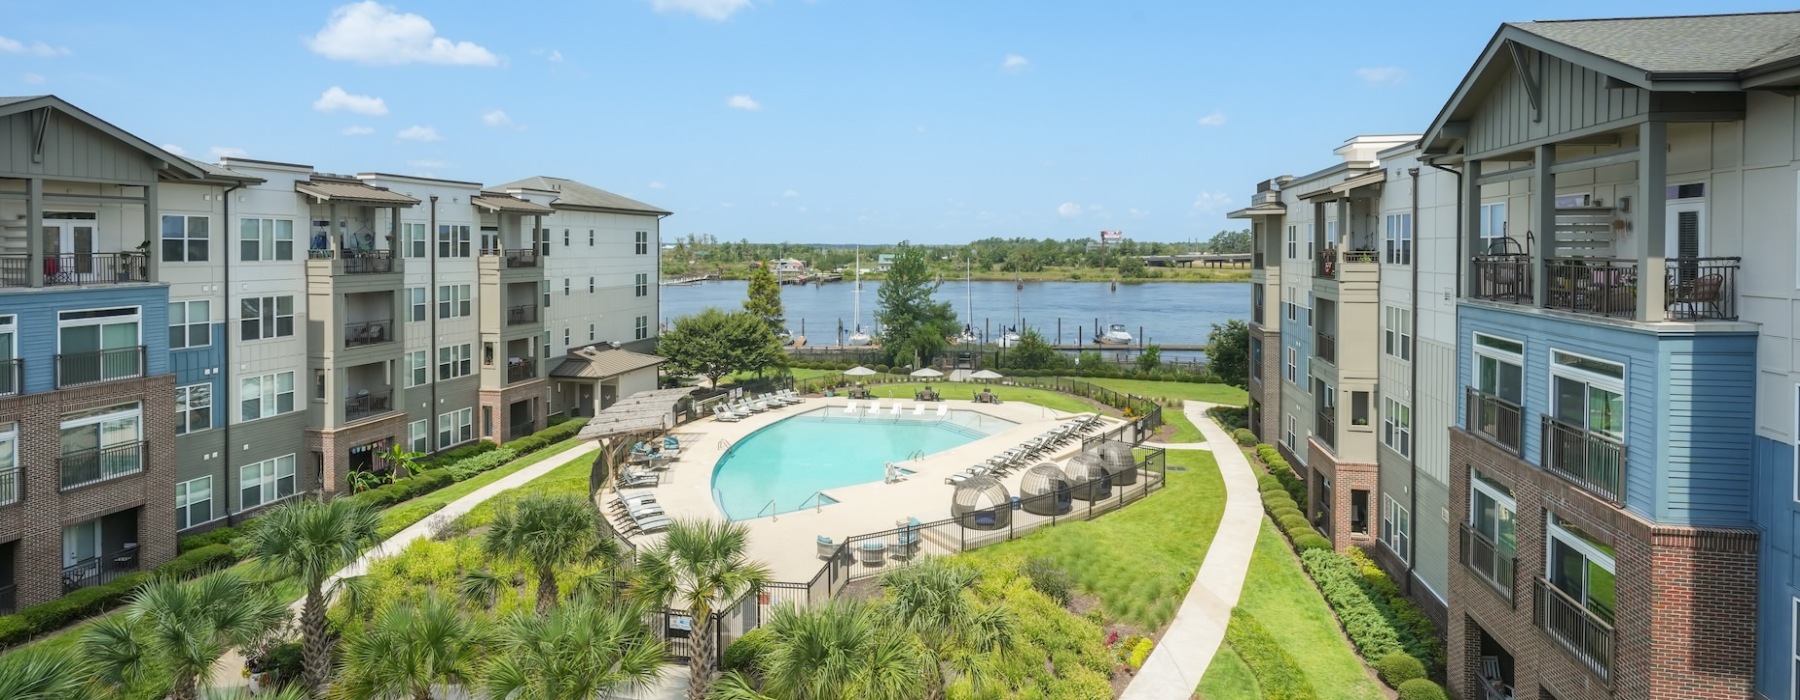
521 369
1325 263
373 332
1597 286
1496 419
12 376
95 268
368 403
12 485
519 430
368 262
1325 428
1578 630
1503 277
1593 461
522 257
94 466
1326 347
1483 557
94 571
77 368
521 314
15 270
1701 289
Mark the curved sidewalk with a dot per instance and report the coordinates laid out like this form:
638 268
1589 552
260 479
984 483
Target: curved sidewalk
1175 666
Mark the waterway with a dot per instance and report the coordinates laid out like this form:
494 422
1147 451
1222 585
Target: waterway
1171 313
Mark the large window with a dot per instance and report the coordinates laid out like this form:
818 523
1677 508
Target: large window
1396 426
412 240
265 395
418 368
101 444
9 464
98 345
1397 332
1292 366
643 243
1396 528
185 238
454 361
267 481
1292 233
643 327
193 503
453 241
266 239
1312 302
193 408
266 317
1493 220
1493 515
418 436
1581 567
1399 239
456 427
453 301
1498 368
190 324
1588 393
415 304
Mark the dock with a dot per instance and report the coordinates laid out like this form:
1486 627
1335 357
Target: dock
812 278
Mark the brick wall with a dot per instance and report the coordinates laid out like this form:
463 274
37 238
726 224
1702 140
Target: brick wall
1345 477
336 444
499 401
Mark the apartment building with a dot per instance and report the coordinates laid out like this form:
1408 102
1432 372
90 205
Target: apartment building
183 344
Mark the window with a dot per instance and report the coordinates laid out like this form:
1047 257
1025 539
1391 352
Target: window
1309 241
98 345
1493 515
565 286
642 288
190 324
590 238
193 408
1399 239
1493 221
1498 364
590 285
418 436
1580 566
1293 307
643 243
412 238
266 482
1359 512
185 238
453 241
266 239
590 332
565 336
101 444
418 370
193 503
565 238
1396 528
9 464
1311 301
265 395
454 361
1331 233
1291 241
1287 431
1291 365
416 304
1396 426
456 427
453 301
1397 332
1588 393
643 327
266 317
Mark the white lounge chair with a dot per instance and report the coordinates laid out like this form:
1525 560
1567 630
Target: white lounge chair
850 407
655 523
919 408
943 410
745 405
897 406
725 414
874 406
793 396
954 479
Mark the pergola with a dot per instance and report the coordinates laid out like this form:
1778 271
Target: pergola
626 421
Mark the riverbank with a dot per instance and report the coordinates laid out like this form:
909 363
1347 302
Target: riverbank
1057 274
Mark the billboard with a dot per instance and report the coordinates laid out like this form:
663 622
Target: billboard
1110 236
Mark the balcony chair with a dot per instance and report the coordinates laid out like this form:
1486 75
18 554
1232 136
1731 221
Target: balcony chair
1704 292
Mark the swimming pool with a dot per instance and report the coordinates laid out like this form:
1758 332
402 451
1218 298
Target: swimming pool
794 458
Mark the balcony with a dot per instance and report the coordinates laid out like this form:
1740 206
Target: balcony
1325 428
366 402
71 269
94 466
1496 419
521 315
1594 286
1590 460
12 485
12 376
1483 557
520 257
365 333
368 262
1504 277
1701 289
519 430
1325 264
1326 347
521 369
1581 633
78 368
94 571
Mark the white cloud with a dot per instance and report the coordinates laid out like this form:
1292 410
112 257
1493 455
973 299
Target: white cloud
419 133
1208 202
36 48
370 32
790 193
1068 210
1217 118
335 99
801 210
496 119
426 164
715 10
555 56
1382 76
743 102
1014 63
172 148
218 152
1137 213
657 185
32 79
357 130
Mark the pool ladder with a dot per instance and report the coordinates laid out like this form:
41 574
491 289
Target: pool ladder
724 444
915 454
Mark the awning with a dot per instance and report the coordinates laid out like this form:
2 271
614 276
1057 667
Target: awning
352 192
1369 178
509 204
1276 209
644 411
600 362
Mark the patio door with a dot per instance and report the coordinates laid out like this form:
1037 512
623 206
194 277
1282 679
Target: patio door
81 542
69 246
1685 240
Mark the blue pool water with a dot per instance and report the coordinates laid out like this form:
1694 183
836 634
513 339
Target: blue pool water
793 459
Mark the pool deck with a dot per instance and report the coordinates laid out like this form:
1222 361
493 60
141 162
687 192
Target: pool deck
786 542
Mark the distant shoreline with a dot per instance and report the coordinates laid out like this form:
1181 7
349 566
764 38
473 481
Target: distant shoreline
1226 275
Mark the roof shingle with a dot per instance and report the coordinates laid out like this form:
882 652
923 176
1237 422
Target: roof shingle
575 194
1691 44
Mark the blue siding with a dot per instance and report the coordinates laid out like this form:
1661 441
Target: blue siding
37 313
1777 584
204 366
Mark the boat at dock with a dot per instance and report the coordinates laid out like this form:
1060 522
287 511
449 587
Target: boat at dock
1115 335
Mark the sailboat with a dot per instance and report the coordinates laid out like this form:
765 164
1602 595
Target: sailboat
969 336
858 337
1009 336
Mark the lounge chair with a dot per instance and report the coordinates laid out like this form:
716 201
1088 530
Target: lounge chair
906 544
873 553
898 404
827 548
874 406
746 406
656 523
793 396
724 414
645 511
943 410
850 407
919 409
671 448
955 479
630 480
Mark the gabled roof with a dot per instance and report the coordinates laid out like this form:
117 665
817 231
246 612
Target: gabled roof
352 192
497 202
602 361
570 193
178 167
1669 46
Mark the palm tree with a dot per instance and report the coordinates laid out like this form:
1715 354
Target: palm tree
311 541
546 533
408 649
700 566
838 650
183 628
33 674
957 634
578 651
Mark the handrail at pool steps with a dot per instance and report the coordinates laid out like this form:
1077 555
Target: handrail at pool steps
915 454
770 509
817 498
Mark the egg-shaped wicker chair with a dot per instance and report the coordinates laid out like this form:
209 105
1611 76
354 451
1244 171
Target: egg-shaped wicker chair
982 503
1119 461
1089 478
1046 490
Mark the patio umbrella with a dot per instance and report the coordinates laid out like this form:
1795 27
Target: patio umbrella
987 374
859 371
927 373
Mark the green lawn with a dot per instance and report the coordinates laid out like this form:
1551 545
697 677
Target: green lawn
1053 400
1139 561
1284 600
401 515
570 478
1228 678
1185 430
1186 391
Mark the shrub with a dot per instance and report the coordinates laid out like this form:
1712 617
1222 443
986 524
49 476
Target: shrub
1397 668
743 654
1275 669
1265 482
1312 541
198 561
217 535
1294 522
1367 617
555 420
1049 579
468 468
1243 436
1139 652
13 630
1421 689
1278 501
1407 613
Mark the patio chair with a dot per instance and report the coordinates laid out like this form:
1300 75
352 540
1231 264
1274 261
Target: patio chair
943 410
873 553
753 408
906 544
827 548
850 407
719 413
955 479
898 404
1698 298
656 523
671 448
919 409
874 406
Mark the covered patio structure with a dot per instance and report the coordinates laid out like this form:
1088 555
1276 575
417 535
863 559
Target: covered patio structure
592 378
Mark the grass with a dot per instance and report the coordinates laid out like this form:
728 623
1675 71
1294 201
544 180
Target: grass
1055 401
570 478
1185 430
1228 678
1186 391
799 375
401 515
1141 560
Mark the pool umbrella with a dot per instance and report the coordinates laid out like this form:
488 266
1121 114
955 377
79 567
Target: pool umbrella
927 373
987 374
859 371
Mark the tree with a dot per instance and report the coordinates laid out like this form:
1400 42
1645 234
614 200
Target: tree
1150 358
401 461
579 651
311 541
1032 352
36 674
1229 242
1132 267
546 533
700 566
914 327
764 301
182 628
836 650
1228 352
714 344
958 635
409 649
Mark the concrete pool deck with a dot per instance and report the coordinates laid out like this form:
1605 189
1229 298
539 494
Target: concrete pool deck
785 542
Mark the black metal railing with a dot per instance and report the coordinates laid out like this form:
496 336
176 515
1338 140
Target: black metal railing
519 430
1503 277
1579 631
521 369
12 485
77 368
367 403
1496 419
1369 257
521 314
363 333
97 465
1598 286
320 254
12 376
95 268
522 257
368 262
1593 461
1326 347
15 270
94 571
1325 428
1325 264
1483 557
1701 289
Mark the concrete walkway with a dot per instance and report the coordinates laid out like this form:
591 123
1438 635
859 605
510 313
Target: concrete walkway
1177 663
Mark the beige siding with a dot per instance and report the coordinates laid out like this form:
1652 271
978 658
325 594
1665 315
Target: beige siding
72 150
1572 99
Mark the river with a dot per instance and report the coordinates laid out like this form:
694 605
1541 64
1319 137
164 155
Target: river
1172 313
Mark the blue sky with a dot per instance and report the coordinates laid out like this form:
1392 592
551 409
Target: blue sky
789 120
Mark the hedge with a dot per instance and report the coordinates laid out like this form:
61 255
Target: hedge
1279 502
1284 511
1368 619
1421 689
1275 669
1398 668
1294 522
1410 616
1243 436
83 603
1310 541
1284 474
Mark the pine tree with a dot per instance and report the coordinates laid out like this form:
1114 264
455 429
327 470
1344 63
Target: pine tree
764 301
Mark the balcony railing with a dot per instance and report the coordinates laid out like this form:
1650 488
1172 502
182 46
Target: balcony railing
1597 286
1584 635
368 262
12 376
12 485
363 333
1483 557
1325 264
1326 347
522 257
1592 461
1503 277
519 430
1701 289
76 268
1256 312
77 368
521 369
97 465
521 315
94 571
1496 419
1362 257
368 403
15 270
1326 427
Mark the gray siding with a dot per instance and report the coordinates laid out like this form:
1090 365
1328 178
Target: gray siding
264 439
72 151
1572 99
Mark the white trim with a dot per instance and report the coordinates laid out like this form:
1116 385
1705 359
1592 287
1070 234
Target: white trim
1593 380
125 410
1554 532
